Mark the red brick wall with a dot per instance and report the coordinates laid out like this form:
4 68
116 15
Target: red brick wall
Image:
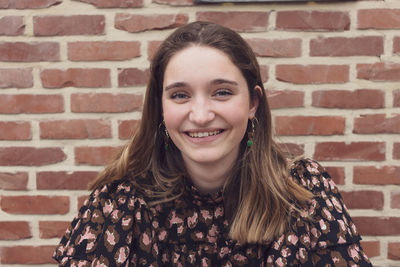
72 79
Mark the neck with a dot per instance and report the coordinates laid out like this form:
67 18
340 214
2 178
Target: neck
209 177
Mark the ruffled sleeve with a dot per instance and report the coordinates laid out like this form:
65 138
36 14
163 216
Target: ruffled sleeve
101 234
326 232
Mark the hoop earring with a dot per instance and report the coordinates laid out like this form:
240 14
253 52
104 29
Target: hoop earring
250 134
165 136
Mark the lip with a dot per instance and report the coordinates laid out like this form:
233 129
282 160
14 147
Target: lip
201 130
203 140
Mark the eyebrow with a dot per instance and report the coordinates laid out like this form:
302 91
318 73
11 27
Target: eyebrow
175 85
221 81
213 82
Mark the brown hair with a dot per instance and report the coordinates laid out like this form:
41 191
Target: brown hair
260 174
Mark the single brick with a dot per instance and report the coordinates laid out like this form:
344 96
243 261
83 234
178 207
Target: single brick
114 3
396 98
14 230
340 151
68 25
384 175
140 23
380 18
31 104
378 226
12 25
377 124
396 151
16 78
379 71
105 102
52 180
309 125
132 77
394 251
30 156
276 47
312 20
396 45
52 229
94 155
28 4
364 199
75 77
75 129
99 51
362 98
175 2
12 130
35 204
27 255
29 52
13 181
312 74
395 200
285 99
345 47
242 21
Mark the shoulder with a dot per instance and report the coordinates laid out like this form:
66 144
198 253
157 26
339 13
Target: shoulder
119 195
311 175
123 194
323 226
103 224
120 188
329 222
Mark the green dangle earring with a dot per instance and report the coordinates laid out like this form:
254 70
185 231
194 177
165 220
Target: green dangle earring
251 134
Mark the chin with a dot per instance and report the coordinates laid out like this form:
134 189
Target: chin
207 160
208 157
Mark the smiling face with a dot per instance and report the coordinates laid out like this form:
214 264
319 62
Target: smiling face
206 106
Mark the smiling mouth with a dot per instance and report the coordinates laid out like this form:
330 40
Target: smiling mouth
203 134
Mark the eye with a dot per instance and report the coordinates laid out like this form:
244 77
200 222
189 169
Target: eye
223 93
179 95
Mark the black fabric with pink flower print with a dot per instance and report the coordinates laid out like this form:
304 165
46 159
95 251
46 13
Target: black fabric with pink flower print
116 227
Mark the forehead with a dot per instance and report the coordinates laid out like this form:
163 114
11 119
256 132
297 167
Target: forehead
201 62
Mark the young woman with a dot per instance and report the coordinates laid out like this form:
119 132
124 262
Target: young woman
202 182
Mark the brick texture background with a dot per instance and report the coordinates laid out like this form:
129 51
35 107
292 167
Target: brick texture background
73 75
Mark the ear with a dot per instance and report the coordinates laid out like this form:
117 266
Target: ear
254 102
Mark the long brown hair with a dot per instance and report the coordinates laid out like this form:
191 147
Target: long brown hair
260 174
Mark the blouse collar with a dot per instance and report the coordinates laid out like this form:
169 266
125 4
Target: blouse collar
200 198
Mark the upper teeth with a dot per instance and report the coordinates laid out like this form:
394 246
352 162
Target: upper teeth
203 134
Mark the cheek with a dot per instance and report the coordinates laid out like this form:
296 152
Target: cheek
172 117
238 119
241 120
237 112
242 126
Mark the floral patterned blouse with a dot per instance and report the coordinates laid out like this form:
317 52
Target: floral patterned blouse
116 227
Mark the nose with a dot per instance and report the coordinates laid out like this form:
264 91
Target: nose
201 112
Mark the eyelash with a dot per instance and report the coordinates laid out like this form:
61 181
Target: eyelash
223 92
178 95
218 93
